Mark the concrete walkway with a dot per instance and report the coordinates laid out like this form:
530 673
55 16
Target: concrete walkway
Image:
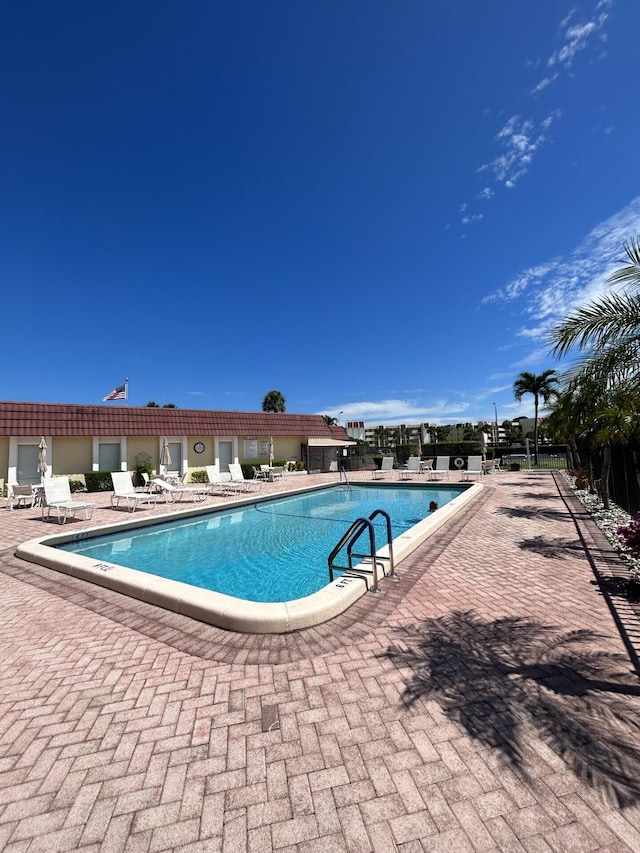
488 701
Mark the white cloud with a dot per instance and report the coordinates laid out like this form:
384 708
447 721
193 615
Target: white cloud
395 411
551 290
544 83
576 39
519 284
521 140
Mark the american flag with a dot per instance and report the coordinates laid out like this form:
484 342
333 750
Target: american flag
119 393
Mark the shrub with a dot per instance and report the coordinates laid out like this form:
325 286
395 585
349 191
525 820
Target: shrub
76 486
629 535
143 467
98 481
199 476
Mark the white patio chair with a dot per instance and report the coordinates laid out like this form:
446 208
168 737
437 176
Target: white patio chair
426 466
176 493
219 483
57 493
474 468
20 495
381 472
237 476
123 490
441 468
412 468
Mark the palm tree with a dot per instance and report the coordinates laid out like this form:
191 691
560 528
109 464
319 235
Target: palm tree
608 328
617 423
607 332
382 436
273 402
563 425
541 385
330 421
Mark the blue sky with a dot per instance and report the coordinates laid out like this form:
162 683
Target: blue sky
377 208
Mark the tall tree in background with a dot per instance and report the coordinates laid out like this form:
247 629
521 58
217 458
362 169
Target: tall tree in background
273 402
541 386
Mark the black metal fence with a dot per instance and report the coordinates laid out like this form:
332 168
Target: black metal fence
550 456
624 488
546 461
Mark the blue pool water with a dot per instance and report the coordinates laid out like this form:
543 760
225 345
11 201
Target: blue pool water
273 550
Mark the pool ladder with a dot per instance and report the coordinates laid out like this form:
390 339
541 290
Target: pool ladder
343 473
370 561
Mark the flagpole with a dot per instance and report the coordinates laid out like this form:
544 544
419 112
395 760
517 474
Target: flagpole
126 391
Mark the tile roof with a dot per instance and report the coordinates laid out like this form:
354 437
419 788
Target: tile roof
72 419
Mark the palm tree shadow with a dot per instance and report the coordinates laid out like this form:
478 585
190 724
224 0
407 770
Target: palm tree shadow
499 678
532 512
537 497
552 548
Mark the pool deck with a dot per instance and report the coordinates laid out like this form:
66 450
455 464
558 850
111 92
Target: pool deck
487 701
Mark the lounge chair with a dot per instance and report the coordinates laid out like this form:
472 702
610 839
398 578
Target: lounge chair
223 485
176 493
474 468
412 468
237 476
20 495
123 490
57 493
441 468
381 472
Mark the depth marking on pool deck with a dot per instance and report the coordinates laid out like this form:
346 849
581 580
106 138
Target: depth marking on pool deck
270 719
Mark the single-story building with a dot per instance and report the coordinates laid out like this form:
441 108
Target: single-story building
117 438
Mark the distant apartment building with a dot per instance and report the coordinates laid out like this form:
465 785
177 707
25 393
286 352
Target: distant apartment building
395 435
389 435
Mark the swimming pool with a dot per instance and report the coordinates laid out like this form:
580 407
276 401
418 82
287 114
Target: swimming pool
217 608
270 551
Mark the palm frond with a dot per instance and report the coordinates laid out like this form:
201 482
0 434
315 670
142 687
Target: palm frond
629 274
607 318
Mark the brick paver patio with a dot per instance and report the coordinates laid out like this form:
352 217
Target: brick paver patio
487 701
